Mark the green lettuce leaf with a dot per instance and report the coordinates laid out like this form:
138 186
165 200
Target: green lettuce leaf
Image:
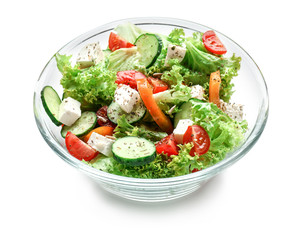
124 129
63 63
93 86
198 60
177 36
196 39
124 59
129 31
228 71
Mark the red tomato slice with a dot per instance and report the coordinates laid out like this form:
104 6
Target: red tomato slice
102 118
158 85
116 42
200 139
77 148
129 78
212 43
168 145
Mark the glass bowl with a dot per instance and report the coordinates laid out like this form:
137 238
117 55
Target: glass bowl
250 90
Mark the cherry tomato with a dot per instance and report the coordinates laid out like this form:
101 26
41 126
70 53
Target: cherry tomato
168 145
77 148
158 85
116 42
129 78
200 139
196 170
212 43
102 118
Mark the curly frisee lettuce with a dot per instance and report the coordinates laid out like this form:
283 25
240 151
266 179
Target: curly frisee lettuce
93 86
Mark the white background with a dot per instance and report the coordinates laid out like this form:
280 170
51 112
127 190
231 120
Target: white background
44 198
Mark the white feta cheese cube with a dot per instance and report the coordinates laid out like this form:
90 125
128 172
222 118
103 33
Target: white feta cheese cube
101 143
181 128
69 111
126 97
197 91
90 55
174 52
234 111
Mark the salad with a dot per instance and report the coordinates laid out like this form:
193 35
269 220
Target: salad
149 105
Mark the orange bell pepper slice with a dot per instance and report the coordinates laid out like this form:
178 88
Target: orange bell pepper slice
214 87
104 130
146 93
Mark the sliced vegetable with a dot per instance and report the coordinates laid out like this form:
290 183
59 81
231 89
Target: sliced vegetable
214 88
77 148
82 126
116 42
212 43
168 145
133 151
114 112
157 85
104 131
146 93
129 78
150 46
51 102
102 118
200 139
184 113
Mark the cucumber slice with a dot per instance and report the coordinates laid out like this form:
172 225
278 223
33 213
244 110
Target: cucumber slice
184 113
149 46
114 112
133 151
51 102
82 126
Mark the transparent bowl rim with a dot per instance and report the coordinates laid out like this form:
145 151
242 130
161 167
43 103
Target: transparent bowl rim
200 175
